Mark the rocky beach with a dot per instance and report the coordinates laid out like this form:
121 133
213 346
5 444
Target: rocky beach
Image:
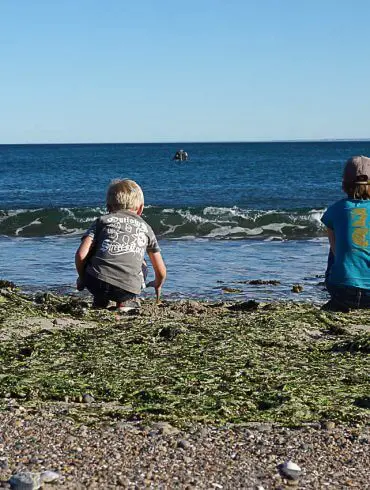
185 394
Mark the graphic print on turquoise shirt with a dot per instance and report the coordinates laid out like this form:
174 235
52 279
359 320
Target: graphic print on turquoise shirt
360 228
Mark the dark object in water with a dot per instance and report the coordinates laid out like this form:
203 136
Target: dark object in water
297 288
181 156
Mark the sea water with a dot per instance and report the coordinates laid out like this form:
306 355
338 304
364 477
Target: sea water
233 213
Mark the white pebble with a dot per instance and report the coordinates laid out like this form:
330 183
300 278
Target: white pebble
291 470
49 476
289 465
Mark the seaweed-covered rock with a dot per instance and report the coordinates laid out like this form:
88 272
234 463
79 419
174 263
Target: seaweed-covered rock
244 306
7 284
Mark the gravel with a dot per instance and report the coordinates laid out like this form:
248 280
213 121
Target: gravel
129 455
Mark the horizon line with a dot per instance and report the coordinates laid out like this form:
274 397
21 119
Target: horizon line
300 140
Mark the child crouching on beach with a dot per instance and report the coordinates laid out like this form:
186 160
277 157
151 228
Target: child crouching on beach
348 224
110 257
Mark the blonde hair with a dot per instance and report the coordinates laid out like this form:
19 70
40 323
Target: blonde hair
124 194
357 191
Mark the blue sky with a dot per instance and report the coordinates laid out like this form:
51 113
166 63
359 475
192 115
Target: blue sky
194 70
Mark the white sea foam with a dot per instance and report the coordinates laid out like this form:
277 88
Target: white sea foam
86 220
191 217
223 231
68 211
171 228
279 227
216 211
274 239
186 237
35 222
232 212
316 215
70 231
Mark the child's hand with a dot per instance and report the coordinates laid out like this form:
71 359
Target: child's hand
158 290
80 286
157 287
160 272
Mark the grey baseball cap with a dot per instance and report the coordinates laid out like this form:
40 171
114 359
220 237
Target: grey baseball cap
357 170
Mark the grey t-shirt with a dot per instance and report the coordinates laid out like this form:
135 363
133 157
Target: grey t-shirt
120 242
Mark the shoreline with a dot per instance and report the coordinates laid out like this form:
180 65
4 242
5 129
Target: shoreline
187 394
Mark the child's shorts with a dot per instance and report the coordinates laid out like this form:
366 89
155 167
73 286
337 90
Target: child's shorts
349 297
104 292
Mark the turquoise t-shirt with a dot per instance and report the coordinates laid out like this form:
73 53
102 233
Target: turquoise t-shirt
350 221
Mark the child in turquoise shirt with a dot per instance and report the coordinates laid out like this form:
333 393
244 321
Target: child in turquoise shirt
348 225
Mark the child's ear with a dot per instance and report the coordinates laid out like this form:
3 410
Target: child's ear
140 210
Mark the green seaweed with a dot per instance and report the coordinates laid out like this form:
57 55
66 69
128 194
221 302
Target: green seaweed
188 361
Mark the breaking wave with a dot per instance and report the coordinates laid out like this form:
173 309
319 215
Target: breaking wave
173 223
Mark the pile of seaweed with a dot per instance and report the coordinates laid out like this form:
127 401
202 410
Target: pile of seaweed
289 363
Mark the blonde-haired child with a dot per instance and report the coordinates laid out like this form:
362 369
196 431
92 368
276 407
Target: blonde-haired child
110 257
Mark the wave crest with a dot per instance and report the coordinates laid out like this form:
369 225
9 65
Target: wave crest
209 222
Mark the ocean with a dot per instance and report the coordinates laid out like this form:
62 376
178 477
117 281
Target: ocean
232 215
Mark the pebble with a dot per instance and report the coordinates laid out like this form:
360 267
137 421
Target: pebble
328 425
87 398
49 476
291 470
183 444
25 481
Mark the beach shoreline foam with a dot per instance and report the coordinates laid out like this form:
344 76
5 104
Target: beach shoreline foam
187 394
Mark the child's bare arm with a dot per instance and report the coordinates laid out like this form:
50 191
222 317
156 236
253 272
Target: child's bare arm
159 270
82 254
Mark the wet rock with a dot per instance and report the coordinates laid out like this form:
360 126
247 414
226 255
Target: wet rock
297 288
4 465
244 306
169 333
229 290
363 402
42 298
25 481
7 284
